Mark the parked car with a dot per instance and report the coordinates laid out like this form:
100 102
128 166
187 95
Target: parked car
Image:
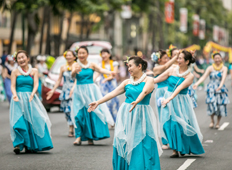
94 48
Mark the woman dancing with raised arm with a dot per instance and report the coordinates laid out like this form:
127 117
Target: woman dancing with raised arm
88 126
164 63
178 122
136 144
216 91
29 123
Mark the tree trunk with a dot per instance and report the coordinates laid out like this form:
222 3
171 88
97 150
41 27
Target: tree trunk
160 26
42 30
30 40
48 40
57 50
68 31
23 31
32 29
82 26
12 31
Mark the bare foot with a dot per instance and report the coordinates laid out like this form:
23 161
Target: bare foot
211 125
77 141
165 147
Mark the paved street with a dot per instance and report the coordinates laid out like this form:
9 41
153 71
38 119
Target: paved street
66 156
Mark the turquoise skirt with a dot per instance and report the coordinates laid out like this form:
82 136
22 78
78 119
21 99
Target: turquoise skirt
89 126
144 156
180 142
160 92
26 137
29 123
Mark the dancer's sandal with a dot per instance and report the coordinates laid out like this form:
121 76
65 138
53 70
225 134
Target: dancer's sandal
71 134
176 155
90 142
182 154
211 125
28 151
17 150
77 143
217 126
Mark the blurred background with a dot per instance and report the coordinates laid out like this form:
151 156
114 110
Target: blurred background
46 28
131 26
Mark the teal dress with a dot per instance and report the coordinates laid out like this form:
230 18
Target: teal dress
91 125
178 122
160 91
29 123
136 145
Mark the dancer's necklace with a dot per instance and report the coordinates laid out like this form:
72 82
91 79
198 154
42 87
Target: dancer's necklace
24 72
69 68
139 80
82 65
183 74
217 68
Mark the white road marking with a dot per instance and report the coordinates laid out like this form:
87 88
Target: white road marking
186 164
224 125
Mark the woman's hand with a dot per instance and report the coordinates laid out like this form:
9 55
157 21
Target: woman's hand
71 93
50 94
77 68
195 86
113 73
92 106
104 81
31 97
133 105
219 88
15 98
166 101
202 71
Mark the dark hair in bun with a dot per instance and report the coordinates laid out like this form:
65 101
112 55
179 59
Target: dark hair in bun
188 57
216 54
83 47
106 51
162 53
73 53
21 51
138 60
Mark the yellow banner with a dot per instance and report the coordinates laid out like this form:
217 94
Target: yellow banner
211 45
193 47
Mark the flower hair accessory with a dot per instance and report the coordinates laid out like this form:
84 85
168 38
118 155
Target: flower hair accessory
14 55
215 52
77 48
65 53
127 60
155 56
170 49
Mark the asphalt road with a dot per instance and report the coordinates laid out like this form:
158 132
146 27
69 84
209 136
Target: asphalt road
66 156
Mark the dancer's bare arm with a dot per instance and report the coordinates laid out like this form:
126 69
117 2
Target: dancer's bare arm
119 90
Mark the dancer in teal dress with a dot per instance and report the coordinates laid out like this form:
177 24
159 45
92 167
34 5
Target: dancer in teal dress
216 91
68 81
178 122
136 144
163 63
29 123
88 126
